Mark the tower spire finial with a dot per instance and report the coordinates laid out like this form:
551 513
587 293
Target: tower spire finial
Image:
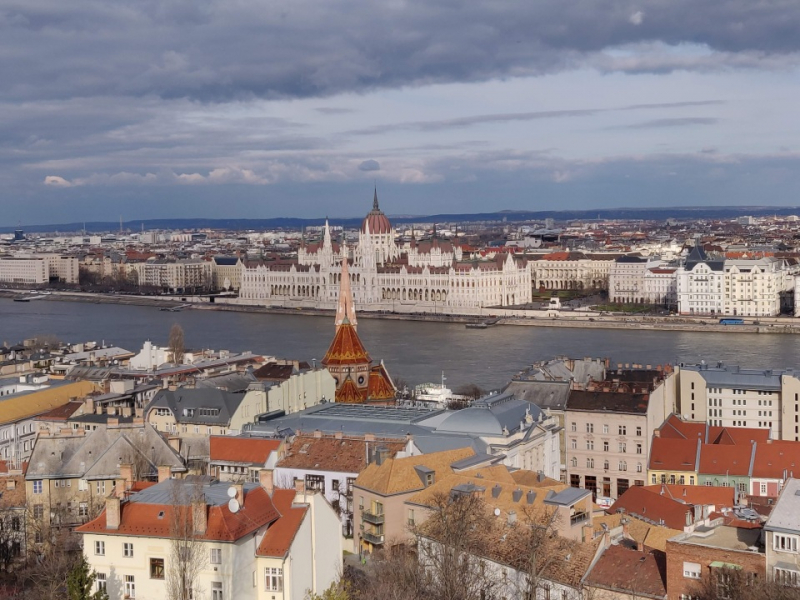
346 310
375 199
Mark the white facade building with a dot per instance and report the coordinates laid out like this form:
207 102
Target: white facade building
426 277
32 271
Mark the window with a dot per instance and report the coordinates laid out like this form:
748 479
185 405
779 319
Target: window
574 462
574 443
590 428
784 543
83 485
127 550
37 486
638 431
315 482
83 509
623 466
216 556
156 568
638 448
605 446
101 487
100 548
589 445
274 579
638 467
623 430
216 590
590 463
130 587
763 489
623 447
100 580
605 428
787 577
574 426
691 570
411 521
605 465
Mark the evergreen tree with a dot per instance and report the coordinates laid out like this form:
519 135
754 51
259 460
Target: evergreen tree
80 582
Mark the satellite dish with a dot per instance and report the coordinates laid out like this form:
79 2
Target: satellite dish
496 512
232 492
233 505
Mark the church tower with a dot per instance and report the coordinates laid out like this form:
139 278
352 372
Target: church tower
357 381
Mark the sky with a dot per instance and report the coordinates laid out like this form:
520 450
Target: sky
251 108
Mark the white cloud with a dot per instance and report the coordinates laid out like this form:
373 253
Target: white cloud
636 18
56 181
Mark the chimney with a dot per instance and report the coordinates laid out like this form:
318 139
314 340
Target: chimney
113 512
625 529
239 487
126 475
265 478
338 435
317 434
113 422
88 406
164 473
199 516
512 517
369 437
127 411
299 486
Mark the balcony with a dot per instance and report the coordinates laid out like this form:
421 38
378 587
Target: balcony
370 517
578 518
375 540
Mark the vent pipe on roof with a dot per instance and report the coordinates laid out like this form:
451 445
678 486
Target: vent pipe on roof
517 495
496 491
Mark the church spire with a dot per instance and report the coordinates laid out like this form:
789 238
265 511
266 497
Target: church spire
346 310
326 238
375 199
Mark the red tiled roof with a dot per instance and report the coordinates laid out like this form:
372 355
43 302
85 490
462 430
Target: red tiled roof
673 454
774 457
721 458
694 494
621 569
346 348
279 536
242 450
61 413
380 386
140 519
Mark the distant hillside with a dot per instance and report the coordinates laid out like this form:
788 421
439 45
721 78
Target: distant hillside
647 214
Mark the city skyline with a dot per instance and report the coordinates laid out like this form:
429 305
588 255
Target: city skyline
221 111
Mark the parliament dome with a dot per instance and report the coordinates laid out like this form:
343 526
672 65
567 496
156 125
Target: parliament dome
376 220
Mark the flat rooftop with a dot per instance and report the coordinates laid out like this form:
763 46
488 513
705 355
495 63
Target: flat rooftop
727 538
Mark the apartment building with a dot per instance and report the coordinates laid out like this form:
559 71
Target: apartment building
250 542
626 279
237 459
571 271
226 273
609 425
174 276
730 396
782 537
27 271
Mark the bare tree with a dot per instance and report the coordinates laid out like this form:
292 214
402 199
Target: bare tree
452 543
535 546
471 391
187 555
737 584
176 345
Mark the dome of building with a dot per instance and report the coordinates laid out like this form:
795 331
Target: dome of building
376 220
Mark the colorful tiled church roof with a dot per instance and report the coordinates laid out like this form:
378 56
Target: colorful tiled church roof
346 347
380 384
349 393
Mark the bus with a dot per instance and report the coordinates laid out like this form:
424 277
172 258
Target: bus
731 321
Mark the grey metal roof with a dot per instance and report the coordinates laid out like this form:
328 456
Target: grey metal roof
731 376
182 490
185 404
490 416
567 497
785 516
98 454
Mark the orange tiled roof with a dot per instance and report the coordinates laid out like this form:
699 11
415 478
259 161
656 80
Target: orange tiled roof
346 348
349 393
242 450
380 386
327 453
279 537
141 519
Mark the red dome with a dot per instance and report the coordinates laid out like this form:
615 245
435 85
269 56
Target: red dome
377 221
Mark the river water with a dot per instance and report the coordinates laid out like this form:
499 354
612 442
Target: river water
415 351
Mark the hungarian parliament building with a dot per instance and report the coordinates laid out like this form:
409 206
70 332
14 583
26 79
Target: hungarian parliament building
428 276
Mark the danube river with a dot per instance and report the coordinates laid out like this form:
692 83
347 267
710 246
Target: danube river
414 351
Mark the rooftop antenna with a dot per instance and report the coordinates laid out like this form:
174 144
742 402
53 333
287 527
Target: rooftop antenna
120 224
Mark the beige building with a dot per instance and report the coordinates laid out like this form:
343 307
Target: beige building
70 474
174 276
27 271
571 271
250 542
381 490
226 272
782 541
609 426
730 396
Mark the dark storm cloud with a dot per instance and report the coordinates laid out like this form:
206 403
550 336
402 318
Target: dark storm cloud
214 50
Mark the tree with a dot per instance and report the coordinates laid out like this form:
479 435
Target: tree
337 591
80 582
187 555
471 391
537 546
736 584
176 346
452 542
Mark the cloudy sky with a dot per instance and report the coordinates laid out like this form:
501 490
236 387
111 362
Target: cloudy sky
255 108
